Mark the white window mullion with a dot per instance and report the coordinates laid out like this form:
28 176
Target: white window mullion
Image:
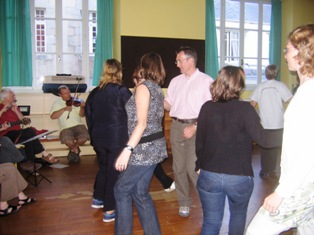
59 37
241 39
85 40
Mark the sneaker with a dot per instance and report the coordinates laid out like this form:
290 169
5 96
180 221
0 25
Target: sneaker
109 217
171 188
97 203
73 157
184 211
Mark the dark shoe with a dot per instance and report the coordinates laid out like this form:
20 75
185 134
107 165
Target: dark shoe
27 201
109 217
73 157
268 176
97 203
10 210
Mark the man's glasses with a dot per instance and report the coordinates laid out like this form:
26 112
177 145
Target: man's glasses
285 50
180 60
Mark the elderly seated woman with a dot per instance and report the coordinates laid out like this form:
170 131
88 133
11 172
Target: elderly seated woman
12 186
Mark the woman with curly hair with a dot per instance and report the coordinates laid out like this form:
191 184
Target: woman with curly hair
292 203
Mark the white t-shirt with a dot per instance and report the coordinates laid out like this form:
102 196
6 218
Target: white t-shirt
270 96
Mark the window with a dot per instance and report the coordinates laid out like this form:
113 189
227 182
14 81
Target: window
59 27
92 31
40 30
245 27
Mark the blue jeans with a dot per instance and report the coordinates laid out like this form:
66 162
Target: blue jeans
133 183
213 188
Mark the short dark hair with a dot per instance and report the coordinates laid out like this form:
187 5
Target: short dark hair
189 52
271 71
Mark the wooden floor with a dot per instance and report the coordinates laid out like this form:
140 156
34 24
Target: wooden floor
64 207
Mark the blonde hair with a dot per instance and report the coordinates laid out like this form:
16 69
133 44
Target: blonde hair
111 73
302 38
228 84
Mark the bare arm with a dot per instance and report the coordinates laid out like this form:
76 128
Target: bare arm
58 113
167 106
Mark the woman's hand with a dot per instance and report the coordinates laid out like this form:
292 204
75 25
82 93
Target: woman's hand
272 202
122 161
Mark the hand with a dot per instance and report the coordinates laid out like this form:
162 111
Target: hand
82 104
272 202
189 131
122 161
14 108
198 171
4 126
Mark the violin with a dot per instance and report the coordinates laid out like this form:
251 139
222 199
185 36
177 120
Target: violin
74 102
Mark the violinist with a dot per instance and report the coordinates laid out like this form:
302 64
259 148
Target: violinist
10 113
69 111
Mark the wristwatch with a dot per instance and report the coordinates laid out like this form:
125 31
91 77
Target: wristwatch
129 147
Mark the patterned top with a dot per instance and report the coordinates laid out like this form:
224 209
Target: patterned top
153 152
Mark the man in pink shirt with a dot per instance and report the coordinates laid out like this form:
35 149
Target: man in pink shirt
185 96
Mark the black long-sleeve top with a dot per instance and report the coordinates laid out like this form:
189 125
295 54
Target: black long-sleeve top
224 137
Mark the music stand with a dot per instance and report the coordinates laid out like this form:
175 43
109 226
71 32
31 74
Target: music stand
35 173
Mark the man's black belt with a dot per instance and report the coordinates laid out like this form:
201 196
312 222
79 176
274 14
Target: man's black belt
151 137
185 121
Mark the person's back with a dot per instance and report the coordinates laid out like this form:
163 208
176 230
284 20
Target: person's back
270 96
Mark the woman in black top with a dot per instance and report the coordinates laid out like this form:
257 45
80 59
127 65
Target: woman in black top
226 129
106 119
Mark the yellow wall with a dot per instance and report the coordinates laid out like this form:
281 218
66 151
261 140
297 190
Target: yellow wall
294 13
159 18
186 19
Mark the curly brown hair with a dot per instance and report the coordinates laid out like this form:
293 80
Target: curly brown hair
302 38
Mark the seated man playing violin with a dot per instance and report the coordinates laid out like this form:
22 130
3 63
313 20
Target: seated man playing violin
69 112
11 118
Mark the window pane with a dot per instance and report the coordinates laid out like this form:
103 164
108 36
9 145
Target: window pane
251 72
48 5
72 63
45 65
232 14
72 9
72 36
265 46
266 16
250 43
251 14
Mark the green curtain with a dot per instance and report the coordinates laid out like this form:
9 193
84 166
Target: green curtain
211 50
16 45
275 34
104 36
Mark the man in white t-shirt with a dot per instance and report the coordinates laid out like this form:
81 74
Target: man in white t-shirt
270 96
69 113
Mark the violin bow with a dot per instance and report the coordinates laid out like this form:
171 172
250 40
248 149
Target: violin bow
75 94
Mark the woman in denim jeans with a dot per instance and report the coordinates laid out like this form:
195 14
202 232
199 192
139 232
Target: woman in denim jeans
145 148
226 129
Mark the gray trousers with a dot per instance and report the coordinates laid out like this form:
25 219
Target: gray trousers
184 157
12 182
